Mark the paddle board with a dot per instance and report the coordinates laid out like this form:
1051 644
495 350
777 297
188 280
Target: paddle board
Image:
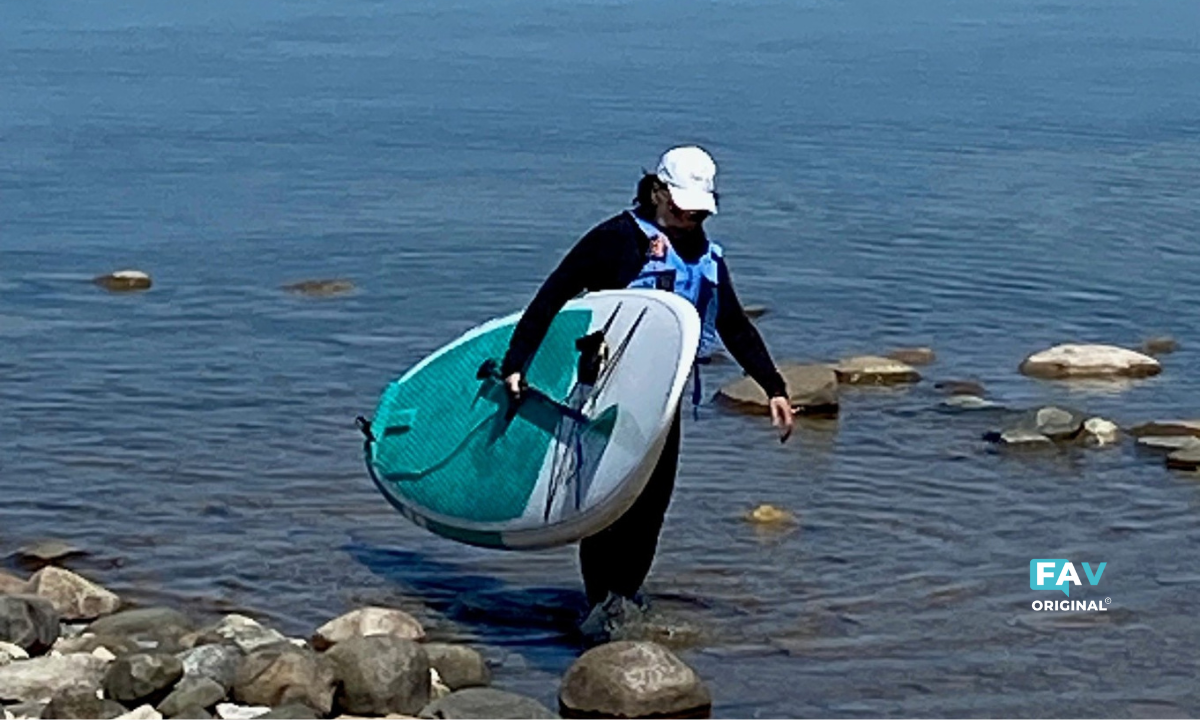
450 449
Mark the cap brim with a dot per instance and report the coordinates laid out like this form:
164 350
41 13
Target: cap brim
693 200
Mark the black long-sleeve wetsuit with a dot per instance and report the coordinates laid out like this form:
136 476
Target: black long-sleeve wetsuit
610 256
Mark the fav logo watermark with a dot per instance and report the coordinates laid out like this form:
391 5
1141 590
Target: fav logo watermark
1059 574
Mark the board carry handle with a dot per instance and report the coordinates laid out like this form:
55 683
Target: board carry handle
490 370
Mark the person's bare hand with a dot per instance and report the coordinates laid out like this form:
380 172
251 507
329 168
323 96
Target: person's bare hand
781 417
513 383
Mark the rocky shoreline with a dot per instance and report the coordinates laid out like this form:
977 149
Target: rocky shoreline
70 648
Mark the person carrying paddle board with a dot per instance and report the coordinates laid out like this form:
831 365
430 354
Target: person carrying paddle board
659 243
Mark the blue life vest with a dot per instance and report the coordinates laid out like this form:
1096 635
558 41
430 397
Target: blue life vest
695 282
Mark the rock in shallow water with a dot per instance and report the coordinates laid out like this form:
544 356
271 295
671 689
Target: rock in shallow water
632 679
874 370
1089 361
813 389
458 666
914 355
320 288
124 281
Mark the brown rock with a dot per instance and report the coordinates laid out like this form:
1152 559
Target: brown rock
632 679
279 675
73 596
961 387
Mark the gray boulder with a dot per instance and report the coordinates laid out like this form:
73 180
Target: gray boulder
124 281
284 674
215 662
192 692
40 679
246 633
142 678
632 679
380 674
28 621
458 666
82 703
153 628
478 703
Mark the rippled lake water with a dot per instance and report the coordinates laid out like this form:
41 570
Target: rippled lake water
984 178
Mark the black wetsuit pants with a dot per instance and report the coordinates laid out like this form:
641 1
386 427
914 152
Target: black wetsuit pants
617 559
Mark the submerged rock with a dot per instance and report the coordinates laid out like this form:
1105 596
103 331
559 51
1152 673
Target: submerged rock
769 515
961 387
914 356
874 370
1167 428
754 311
47 552
632 679
813 390
320 288
1089 361
1164 345
124 281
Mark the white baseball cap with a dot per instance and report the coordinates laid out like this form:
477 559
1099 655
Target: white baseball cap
691 176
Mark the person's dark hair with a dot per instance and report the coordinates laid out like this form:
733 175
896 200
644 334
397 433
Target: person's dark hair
645 187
